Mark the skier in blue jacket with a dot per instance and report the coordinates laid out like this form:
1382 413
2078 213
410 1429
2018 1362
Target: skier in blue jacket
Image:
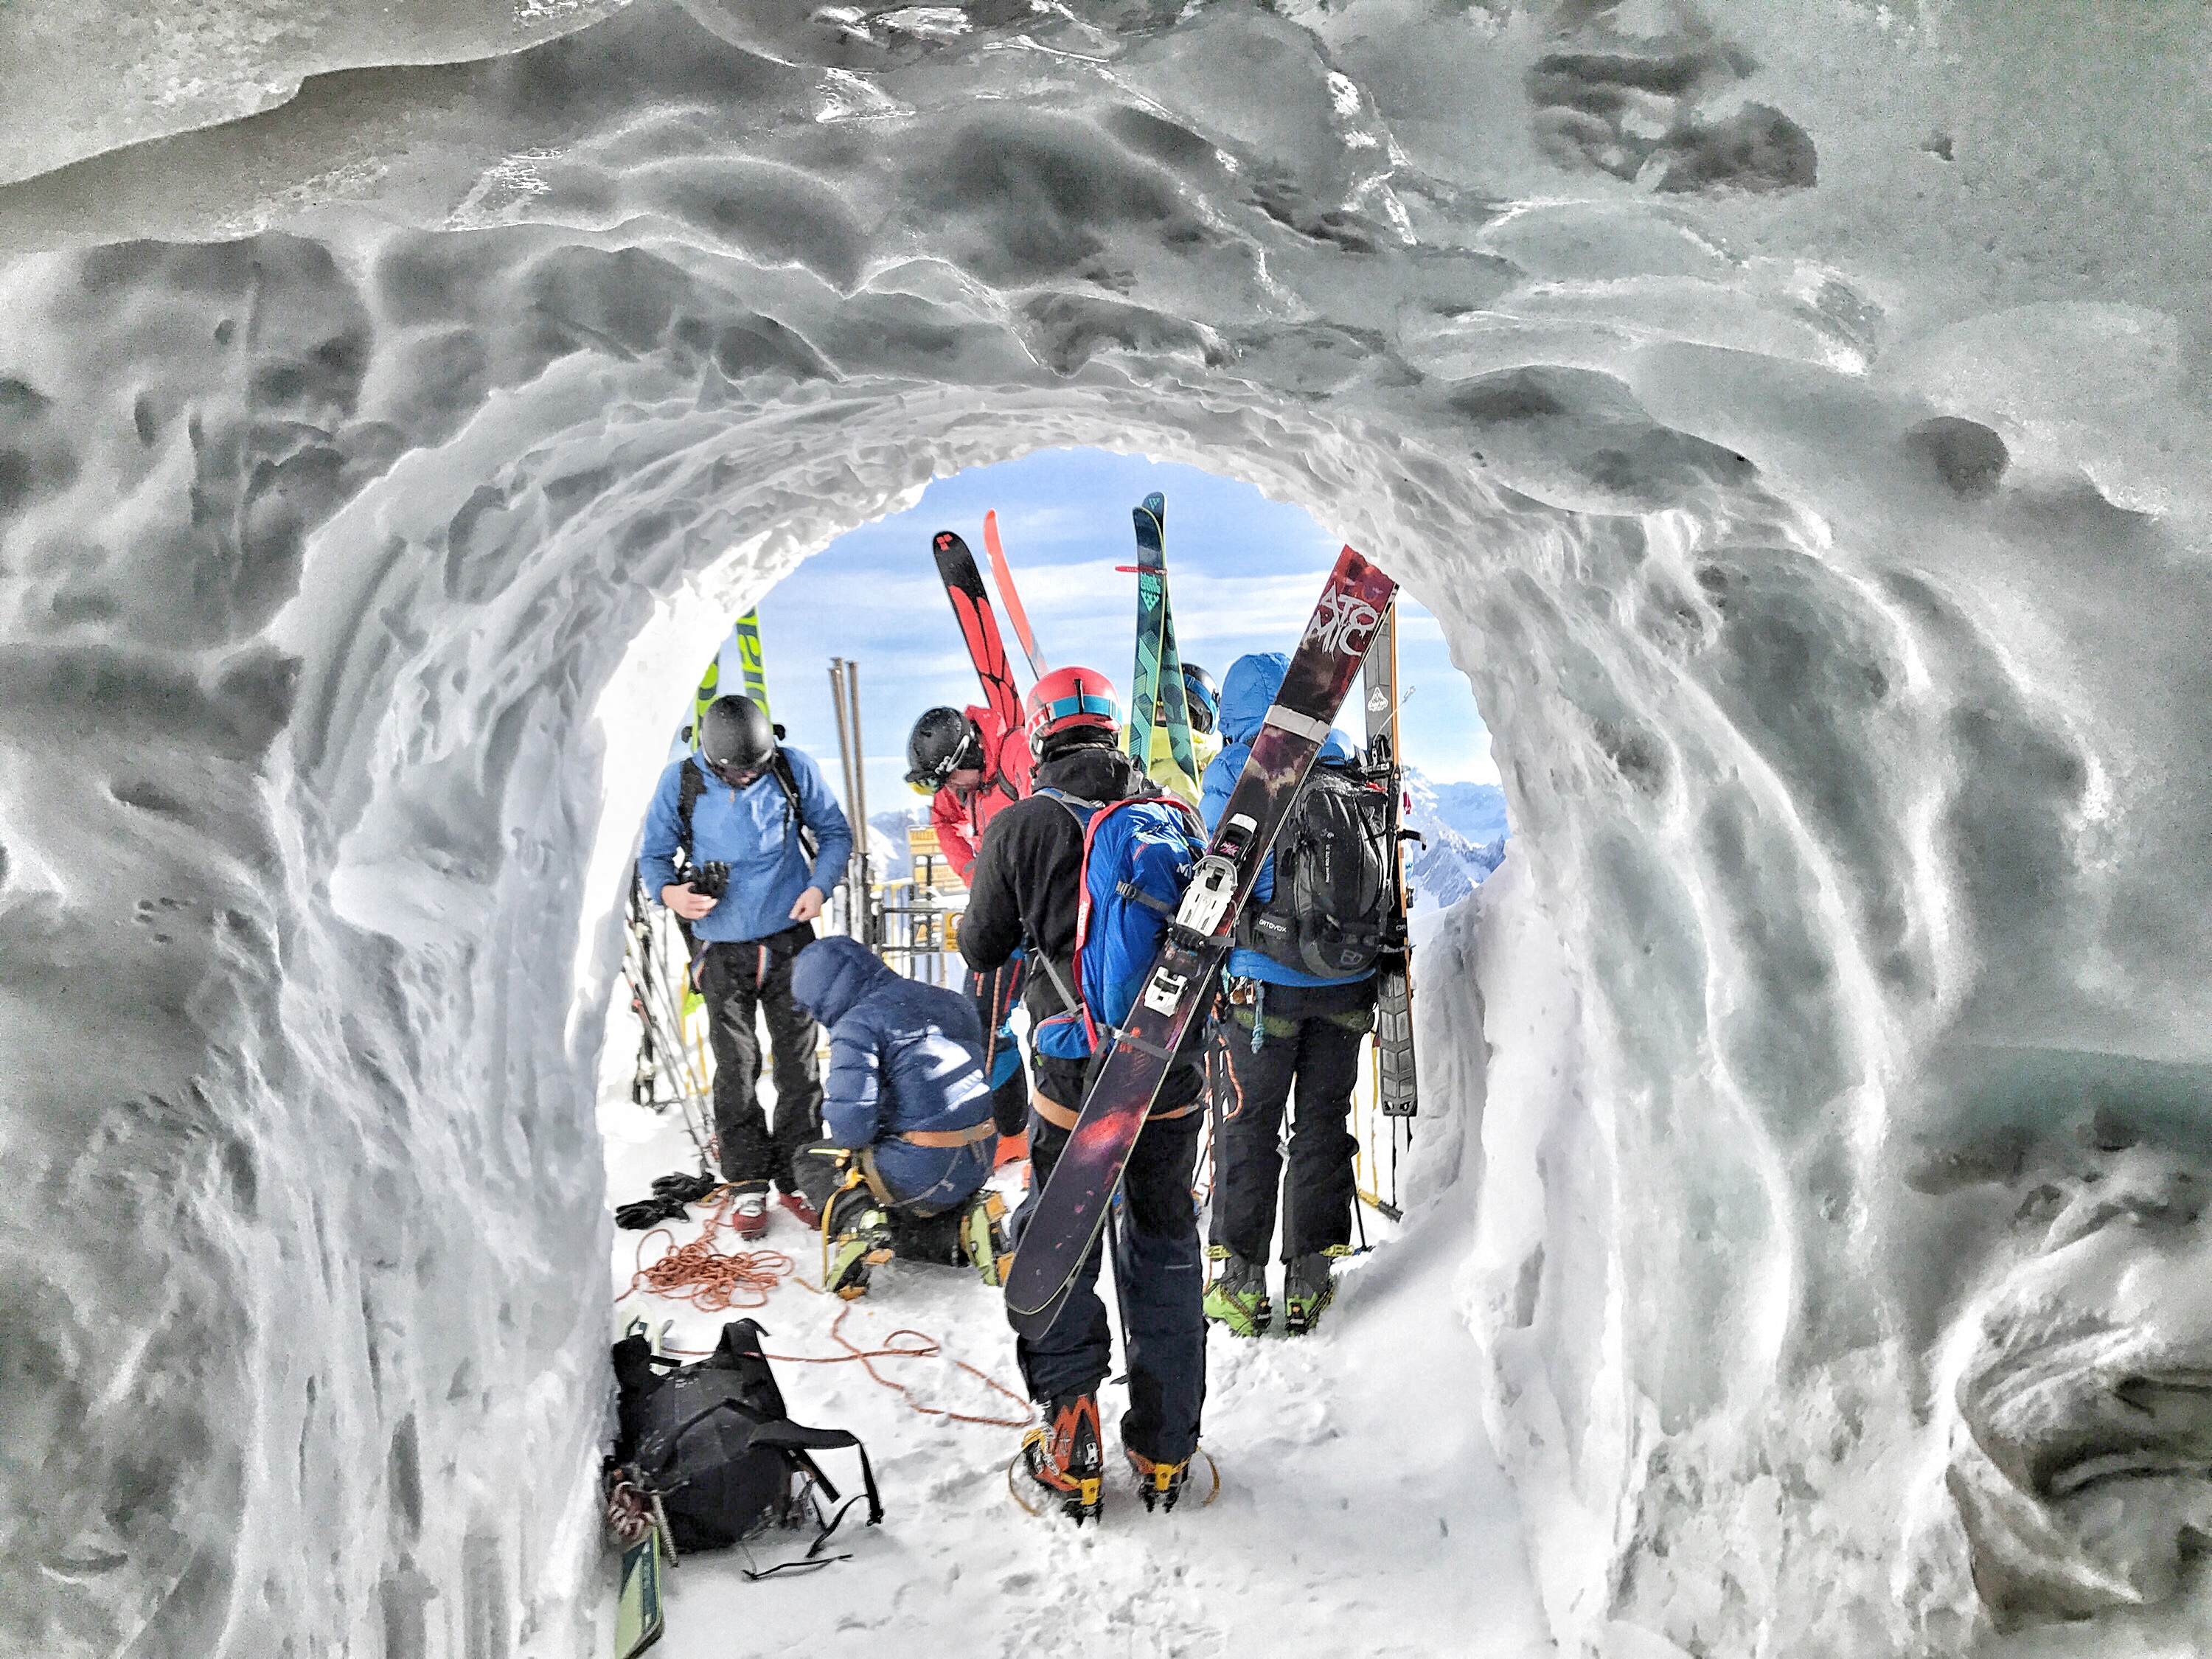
753 805
906 1117
1282 1025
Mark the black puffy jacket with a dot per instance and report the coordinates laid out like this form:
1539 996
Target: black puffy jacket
1027 883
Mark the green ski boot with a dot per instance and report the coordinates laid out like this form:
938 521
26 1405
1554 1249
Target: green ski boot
856 1238
1237 1298
983 1236
1309 1286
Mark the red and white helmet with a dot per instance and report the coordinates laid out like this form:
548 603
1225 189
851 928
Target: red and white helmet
1068 700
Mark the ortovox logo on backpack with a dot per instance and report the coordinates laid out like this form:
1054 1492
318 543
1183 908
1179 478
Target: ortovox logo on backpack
1331 912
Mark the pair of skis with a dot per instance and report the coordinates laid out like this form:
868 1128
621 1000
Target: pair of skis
1157 736
752 672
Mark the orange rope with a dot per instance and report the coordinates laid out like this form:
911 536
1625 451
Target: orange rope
929 1348
701 1275
713 1283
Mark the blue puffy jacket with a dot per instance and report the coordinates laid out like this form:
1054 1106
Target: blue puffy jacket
902 1056
1248 691
749 829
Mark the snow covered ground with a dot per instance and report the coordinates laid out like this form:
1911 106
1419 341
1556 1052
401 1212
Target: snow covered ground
1361 1509
1360 1513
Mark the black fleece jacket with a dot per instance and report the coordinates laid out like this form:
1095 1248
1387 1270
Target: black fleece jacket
1027 879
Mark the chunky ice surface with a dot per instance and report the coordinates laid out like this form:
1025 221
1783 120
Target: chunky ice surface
1793 411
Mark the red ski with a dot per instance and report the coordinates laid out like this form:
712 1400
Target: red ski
1003 573
979 626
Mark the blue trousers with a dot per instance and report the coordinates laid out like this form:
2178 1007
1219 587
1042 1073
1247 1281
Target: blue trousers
1158 1276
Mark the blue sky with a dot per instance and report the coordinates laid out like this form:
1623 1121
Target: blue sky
1243 572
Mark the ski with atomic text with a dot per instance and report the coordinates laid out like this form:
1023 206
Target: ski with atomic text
1179 986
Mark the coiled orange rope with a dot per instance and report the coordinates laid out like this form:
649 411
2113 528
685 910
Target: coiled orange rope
713 1282
702 1275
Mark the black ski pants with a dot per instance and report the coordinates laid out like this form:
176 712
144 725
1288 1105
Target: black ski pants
996 991
1159 1274
737 981
1312 1038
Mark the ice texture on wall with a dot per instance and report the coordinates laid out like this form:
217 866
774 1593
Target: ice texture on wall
1793 411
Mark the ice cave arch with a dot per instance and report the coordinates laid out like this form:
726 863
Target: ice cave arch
1796 442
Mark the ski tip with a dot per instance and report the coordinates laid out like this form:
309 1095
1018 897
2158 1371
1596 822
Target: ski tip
948 541
1156 503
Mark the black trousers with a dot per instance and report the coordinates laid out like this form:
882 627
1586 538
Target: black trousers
736 980
1158 1275
995 992
1312 1040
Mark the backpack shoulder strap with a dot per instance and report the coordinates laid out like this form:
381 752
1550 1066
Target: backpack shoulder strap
778 768
689 787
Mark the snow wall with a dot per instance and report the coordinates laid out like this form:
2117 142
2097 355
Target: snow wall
1794 410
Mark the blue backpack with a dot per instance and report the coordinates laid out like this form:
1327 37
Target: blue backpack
1136 859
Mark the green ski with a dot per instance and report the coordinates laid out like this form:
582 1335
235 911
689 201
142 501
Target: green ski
638 1618
1158 733
748 656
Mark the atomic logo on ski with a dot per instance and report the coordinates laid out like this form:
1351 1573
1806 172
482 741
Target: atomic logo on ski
1343 623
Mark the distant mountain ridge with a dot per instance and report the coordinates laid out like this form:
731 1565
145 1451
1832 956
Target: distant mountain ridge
1465 825
1466 830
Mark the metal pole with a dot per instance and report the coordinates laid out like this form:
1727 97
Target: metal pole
856 902
859 780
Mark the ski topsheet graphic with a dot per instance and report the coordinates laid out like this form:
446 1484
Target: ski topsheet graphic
1158 735
1003 573
1395 1091
979 626
1071 1209
754 676
748 660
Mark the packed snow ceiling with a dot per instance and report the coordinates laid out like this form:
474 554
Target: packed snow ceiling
1793 409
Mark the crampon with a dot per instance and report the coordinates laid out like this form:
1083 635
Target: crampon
1061 1463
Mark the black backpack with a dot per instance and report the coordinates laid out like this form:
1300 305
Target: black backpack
1332 912
715 1448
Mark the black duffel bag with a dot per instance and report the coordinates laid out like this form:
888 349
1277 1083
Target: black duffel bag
713 1443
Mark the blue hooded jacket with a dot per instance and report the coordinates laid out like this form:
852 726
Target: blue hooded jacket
1248 691
902 1055
749 829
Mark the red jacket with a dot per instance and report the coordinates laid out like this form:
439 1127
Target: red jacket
959 819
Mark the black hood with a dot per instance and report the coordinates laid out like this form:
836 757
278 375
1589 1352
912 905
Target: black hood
1093 772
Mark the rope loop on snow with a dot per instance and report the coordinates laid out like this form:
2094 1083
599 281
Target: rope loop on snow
704 1276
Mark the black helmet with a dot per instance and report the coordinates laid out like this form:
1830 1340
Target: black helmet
944 741
1203 698
735 739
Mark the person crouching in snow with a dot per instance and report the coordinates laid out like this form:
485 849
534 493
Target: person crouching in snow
908 1135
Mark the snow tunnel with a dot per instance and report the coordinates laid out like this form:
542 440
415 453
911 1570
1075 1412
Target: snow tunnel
1794 413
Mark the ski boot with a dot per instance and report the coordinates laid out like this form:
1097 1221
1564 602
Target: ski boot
1064 1461
1237 1298
1309 1286
1158 1484
749 1209
983 1236
856 1238
805 1213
